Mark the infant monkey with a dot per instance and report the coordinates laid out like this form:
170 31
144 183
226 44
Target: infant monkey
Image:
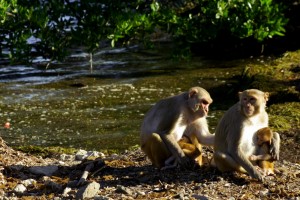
191 148
264 138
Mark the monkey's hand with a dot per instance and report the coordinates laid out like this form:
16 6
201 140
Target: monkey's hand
253 158
185 162
256 174
175 150
275 146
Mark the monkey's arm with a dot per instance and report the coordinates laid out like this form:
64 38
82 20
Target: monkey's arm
200 129
241 159
174 148
261 157
275 146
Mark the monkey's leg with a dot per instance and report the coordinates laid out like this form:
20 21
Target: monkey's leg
225 162
156 150
267 166
198 151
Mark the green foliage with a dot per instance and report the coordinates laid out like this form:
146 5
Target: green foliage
62 24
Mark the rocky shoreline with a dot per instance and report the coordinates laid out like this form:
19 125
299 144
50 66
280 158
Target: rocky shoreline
92 175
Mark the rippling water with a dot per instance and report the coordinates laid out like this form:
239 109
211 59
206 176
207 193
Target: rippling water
71 104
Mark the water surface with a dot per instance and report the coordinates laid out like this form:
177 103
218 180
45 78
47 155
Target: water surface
70 104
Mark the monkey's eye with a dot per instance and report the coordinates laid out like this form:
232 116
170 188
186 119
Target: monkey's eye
252 100
204 102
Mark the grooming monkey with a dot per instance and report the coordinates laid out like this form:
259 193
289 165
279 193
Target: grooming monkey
171 118
264 141
235 134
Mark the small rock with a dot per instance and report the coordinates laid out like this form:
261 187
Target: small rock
227 185
263 193
123 190
66 191
102 198
28 182
88 191
67 157
2 179
81 154
199 197
2 193
140 193
20 188
43 170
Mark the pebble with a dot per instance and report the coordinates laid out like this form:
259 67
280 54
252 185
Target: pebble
28 182
81 154
123 190
66 191
263 193
20 188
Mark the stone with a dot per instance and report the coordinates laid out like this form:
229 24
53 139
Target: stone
88 191
28 182
20 188
81 154
123 190
66 191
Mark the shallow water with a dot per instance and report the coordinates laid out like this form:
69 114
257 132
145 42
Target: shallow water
71 105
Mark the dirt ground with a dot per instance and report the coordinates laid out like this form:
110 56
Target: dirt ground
130 175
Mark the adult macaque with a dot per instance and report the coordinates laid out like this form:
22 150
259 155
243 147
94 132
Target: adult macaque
169 119
264 140
235 134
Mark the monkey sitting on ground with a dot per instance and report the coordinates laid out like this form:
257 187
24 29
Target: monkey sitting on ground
235 138
171 118
264 141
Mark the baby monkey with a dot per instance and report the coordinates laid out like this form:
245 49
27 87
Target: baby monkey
191 148
264 138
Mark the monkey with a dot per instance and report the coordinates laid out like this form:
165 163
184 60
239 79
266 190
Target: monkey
235 134
171 118
191 148
264 140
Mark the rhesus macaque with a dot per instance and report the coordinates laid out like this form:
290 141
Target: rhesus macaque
171 118
235 134
264 141
191 148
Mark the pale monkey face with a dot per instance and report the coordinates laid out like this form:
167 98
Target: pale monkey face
202 105
249 105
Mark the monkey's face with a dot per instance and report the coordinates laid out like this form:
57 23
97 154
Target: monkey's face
248 105
263 139
252 101
199 101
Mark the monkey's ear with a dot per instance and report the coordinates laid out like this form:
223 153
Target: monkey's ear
192 92
266 96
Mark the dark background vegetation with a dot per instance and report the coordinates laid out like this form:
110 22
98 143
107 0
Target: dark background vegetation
219 28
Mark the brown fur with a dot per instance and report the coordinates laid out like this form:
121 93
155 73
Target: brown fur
264 138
